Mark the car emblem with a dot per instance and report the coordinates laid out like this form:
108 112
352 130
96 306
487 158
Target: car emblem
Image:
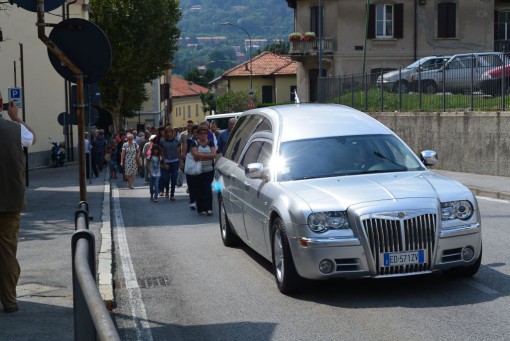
401 214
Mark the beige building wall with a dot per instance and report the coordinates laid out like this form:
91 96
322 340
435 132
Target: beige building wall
44 88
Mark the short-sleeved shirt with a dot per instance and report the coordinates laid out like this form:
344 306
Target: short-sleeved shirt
207 166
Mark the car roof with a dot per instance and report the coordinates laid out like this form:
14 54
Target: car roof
310 120
477 54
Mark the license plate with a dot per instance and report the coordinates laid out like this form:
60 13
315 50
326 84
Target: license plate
404 258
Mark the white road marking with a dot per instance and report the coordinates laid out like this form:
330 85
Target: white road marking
480 287
143 331
494 199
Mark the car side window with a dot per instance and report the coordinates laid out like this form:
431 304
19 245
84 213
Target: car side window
258 151
242 133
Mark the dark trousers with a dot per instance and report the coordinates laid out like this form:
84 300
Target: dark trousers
191 180
9 266
169 178
203 191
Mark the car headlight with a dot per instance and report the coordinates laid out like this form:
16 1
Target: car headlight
485 76
462 210
324 221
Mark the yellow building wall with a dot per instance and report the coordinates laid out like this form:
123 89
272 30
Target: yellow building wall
187 108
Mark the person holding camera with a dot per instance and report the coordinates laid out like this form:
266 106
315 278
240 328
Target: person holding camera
14 135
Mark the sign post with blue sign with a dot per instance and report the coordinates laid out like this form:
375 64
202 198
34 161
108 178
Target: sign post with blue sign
16 94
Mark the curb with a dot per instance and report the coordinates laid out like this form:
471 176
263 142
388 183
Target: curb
489 193
105 265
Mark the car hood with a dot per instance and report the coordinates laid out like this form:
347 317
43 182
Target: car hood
339 193
395 73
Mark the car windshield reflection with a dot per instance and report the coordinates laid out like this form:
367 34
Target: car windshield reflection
344 155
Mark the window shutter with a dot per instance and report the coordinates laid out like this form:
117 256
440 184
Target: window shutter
399 21
371 22
452 16
446 20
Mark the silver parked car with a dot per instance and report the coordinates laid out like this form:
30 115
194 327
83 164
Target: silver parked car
326 191
390 79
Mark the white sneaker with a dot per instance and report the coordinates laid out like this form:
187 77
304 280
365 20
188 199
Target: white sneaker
193 206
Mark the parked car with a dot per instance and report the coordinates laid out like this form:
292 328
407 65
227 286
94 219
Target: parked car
490 81
390 80
326 191
460 74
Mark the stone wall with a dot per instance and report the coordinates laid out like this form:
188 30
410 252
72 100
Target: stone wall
471 142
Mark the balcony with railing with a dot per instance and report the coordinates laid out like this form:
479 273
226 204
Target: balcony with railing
303 48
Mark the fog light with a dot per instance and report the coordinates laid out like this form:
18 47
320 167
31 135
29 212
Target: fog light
467 253
326 266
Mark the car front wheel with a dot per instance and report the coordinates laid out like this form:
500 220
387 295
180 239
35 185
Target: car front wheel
287 278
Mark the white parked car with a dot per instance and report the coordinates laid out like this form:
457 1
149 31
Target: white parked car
326 191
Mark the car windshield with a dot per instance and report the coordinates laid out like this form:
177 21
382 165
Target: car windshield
344 155
417 63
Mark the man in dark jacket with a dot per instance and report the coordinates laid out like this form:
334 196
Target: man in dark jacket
14 134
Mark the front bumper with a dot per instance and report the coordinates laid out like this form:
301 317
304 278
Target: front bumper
353 259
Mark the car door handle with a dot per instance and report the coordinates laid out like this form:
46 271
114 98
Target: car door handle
246 186
232 176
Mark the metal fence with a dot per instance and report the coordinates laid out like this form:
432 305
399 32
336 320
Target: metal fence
91 318
473 82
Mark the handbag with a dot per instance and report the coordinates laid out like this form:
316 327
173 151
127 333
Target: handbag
180 178
192 167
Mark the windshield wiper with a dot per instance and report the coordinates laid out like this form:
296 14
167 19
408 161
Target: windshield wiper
381 156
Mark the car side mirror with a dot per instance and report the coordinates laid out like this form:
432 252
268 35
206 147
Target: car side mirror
255 171
429 157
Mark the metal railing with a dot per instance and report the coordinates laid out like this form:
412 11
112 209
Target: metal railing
476 84
307 47
91 318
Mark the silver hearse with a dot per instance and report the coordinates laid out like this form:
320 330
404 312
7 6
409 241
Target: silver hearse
326 191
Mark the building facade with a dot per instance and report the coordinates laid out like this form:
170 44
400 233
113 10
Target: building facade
24 63
350 39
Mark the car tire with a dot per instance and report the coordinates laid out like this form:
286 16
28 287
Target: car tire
228 236
404 87
286 276
430 88
464 271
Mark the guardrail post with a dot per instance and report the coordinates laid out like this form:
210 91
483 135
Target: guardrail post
382 91
400 89
83 324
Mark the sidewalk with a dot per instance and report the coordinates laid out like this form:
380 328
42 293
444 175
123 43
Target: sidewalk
45 290
482 185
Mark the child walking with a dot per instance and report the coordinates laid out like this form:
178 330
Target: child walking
154 170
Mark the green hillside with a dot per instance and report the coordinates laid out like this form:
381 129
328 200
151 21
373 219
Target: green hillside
263 19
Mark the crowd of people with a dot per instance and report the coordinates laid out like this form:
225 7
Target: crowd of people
158 154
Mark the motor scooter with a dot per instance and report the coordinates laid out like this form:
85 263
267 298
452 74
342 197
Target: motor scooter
58 154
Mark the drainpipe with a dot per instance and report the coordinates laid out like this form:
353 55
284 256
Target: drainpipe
415 30
41 25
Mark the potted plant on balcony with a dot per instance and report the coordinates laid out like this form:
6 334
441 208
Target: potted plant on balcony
295 36
308 36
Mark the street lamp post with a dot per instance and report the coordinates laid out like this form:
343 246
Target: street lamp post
242 28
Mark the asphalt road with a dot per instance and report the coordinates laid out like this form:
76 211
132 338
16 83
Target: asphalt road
176 281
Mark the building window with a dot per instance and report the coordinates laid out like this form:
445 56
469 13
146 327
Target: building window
196 110
293 89
385 21
189 111
446 20
316 17
267 94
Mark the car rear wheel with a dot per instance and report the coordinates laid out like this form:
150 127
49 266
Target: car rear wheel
228 236
287 278
464 271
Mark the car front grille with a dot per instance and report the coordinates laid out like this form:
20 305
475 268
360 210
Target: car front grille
397 235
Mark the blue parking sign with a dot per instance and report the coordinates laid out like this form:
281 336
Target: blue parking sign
16 94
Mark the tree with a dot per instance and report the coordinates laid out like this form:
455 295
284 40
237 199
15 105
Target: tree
199 78
232 101
208 102
143 36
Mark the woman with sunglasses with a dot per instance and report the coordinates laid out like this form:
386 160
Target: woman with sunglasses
203 150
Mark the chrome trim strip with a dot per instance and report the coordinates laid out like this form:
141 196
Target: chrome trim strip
460 230
330 242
